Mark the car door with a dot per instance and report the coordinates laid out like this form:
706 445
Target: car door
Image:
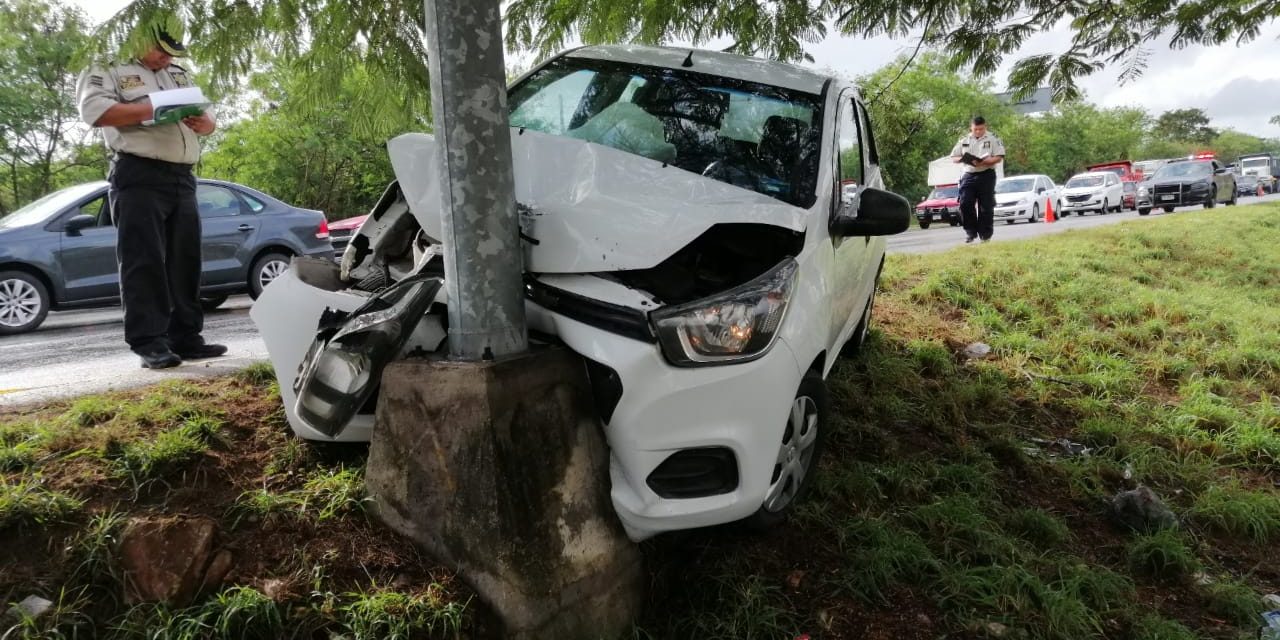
88 256
1226 186
1117 190
228 229
849 253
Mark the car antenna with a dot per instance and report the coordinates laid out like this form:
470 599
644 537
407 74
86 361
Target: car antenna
688 60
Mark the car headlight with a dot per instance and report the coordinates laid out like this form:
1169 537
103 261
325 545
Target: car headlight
344 365
1142 191
738 325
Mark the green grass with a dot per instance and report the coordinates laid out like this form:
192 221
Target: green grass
391 615
1162 554
27 502
168 451
325 495
1240 512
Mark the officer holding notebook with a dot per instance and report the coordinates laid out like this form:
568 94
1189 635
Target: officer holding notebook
153 199
980 152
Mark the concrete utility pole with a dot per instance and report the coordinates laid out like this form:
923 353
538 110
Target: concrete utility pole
482 252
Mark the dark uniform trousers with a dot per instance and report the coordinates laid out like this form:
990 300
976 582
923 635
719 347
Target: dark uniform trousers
153 204
978 203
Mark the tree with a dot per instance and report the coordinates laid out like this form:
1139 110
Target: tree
1185 125
38 114
327 36
321 157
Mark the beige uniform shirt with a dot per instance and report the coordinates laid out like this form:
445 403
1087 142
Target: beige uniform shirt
987 145
99 89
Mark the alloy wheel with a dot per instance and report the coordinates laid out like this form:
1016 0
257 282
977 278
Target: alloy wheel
270 271
795 456
19 303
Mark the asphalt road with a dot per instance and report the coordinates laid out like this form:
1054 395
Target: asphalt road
80 352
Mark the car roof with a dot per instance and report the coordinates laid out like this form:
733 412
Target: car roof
729 65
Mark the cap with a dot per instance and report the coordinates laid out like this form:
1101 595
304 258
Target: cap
169 44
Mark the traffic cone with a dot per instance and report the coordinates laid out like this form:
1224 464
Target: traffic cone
1048 211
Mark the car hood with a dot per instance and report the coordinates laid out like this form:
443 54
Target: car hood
588 208
1181 180
1014 195
939 202
1083 191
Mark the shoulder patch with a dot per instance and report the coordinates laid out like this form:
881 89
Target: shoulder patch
177 66
131 81
95 81
180 78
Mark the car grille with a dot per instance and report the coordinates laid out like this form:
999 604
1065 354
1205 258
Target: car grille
1079 198
1007 204
1167 189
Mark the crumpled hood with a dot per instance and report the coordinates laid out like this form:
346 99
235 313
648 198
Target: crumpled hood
591 208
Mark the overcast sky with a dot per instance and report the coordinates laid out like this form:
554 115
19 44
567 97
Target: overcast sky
1239 87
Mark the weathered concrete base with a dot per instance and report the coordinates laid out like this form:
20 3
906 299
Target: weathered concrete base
499 469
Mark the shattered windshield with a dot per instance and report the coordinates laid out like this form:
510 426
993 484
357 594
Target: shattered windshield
750 135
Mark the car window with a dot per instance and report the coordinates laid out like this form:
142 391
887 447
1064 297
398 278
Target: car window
864 125
98 209
748 134
216 202
255 205
849 147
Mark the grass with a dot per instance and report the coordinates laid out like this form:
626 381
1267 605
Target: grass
1162 554
27 502
326 494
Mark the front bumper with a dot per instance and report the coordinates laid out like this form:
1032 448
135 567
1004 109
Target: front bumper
1018 210
1091 204
939 214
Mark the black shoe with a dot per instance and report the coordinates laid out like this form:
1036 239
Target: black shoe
198 350
970 239
986 240
158 357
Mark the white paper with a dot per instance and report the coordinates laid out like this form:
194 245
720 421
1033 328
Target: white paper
177 97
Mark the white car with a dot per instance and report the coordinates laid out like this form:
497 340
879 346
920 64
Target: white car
1026 198
1099 191
703 228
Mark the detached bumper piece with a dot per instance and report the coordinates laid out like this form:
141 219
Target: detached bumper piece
343 367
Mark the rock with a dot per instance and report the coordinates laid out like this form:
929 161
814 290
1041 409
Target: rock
31 607
1142 510
795 578
278 589
217 571
996 630
1202 579
923 620
1272 600
164 558
977 351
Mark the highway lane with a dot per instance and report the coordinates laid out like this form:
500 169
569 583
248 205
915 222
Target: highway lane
81 352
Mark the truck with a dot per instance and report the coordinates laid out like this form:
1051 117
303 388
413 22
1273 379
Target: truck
1266 166
1122 168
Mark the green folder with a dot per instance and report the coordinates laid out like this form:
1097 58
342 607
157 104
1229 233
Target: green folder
174 114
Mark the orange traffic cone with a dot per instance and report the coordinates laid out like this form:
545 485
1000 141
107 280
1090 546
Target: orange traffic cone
1048 211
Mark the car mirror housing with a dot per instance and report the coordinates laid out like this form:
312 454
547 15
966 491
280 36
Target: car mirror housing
76 223
878 213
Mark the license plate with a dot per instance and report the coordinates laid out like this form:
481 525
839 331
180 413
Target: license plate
1166 197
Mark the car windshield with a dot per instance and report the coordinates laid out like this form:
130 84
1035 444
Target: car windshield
944 193
1084 181
751 135
1249 179
40 210
1254 163
1184 170
1015 185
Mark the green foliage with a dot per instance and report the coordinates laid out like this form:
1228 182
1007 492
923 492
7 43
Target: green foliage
258 373
1239 512
391 615
1153 627
236 613
326 495
1162 554
1234 601
1185 125
167 452
43 146
26 502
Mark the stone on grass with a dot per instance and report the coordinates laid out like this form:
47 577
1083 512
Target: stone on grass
1272 600
1142 510
977 351
31 608
997 630
218 569
164 558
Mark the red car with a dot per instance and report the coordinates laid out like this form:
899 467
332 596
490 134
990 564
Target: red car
340 233
943 204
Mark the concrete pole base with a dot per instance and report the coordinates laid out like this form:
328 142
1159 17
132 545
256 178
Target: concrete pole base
499 469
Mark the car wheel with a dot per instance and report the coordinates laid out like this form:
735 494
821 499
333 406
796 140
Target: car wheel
1235 197
1144 212
1168 209
798 453
24 302
955 223
1035 213
1213 199
924 224
1008 222
1106 206
265 269
210 303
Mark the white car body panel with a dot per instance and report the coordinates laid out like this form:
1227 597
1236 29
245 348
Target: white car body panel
1111 194
594 210
1021 205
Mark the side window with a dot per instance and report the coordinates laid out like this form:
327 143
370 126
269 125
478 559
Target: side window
849 149
864 124
255 205
216 202
96 208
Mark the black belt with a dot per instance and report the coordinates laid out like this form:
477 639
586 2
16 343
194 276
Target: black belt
162 165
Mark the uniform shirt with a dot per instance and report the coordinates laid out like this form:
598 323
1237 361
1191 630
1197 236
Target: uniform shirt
987 145
100 89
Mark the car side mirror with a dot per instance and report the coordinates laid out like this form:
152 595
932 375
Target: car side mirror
1040 190
1219 171
879 213
76 223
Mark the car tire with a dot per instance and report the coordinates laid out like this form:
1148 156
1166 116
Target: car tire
924 224
955 223
1235 197
1168 209
24 302
1009 222
1213 199
1106 206
266 268
1144 212
1035 213
798 453
211 303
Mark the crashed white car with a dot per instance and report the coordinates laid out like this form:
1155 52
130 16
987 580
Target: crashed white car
704 229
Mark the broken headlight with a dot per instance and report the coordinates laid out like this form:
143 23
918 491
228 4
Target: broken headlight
344 365
738 325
